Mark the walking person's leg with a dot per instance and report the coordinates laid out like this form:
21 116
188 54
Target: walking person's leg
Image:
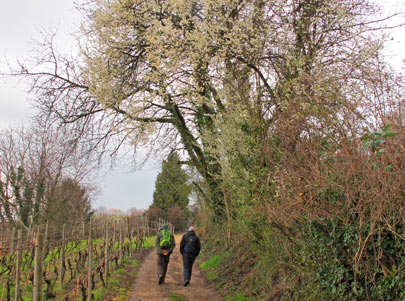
166 260
191 262
186 268
161 267
188 260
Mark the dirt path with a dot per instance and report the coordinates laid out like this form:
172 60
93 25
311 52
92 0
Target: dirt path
146 285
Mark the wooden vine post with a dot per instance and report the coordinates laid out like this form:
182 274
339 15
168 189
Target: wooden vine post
130 237
83 230
12 240
62 257
106 252
130 230
30 237
46 233
114 229
18 266
90 264
143 228
39 247
147 226
45 240
121 241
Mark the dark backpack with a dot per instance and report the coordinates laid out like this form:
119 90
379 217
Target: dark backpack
190 244
166 240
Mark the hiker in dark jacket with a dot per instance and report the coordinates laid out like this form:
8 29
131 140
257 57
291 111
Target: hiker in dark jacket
190 247
163 253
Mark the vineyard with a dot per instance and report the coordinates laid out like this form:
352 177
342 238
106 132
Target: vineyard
69 261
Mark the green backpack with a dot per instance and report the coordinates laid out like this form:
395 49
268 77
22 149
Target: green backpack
166 240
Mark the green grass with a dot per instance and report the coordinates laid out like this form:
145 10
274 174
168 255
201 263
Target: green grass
212 262
211 275
121 298
209 267
133 262
98 294
79 246
119 271
176 297
240 297
112 281
149 243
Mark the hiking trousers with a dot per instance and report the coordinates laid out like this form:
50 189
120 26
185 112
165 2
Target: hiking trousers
188 261
162 263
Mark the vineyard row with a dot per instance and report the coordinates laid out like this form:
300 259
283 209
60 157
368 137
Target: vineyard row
68 261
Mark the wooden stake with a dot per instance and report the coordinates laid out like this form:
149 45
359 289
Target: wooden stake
120 250
106 252
90 264
12 240
18 266
62 258
39 247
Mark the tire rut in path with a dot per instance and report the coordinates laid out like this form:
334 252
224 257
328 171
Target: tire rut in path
146 285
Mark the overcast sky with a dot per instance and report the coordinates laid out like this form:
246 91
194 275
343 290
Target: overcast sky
20 21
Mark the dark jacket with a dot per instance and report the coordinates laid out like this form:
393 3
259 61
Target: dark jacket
159 236
190 243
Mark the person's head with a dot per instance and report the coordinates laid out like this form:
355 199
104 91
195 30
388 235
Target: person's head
191 228
165 226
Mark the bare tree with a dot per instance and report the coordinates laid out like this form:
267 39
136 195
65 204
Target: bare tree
33 163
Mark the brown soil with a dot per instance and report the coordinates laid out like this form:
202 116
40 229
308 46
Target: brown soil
146 285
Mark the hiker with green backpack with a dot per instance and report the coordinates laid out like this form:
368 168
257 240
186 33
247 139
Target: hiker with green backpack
164 247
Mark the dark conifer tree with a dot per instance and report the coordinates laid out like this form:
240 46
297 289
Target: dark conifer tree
171 186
